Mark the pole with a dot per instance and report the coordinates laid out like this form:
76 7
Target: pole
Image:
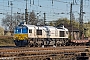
70 19
70 14
81 19
26 14
44 18
11 17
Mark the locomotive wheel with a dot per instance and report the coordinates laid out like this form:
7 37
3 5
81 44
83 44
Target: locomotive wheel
39 45
36 44
58 44
31 45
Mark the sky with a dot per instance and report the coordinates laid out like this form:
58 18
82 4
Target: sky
52 8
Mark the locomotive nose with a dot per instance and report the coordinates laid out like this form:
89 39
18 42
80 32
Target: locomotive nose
20 37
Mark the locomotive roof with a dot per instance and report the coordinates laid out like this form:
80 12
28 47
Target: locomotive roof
34 26
50 27
30 26
62 28
45 27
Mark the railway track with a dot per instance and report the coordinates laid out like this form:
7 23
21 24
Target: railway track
41 53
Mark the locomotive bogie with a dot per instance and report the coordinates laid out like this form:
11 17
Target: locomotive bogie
21 43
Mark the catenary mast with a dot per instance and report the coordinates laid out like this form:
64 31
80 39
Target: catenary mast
26 14
81 19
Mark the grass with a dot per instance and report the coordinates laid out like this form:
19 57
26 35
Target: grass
6 41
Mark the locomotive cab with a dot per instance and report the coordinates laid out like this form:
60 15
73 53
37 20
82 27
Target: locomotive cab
21 35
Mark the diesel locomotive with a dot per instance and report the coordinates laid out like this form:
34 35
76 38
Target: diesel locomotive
38 36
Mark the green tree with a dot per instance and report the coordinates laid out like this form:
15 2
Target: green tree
51 23
64 21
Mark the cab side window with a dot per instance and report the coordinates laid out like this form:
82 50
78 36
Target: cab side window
61 33
39 32
30 30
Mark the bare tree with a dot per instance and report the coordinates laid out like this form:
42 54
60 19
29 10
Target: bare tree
32 18
16 19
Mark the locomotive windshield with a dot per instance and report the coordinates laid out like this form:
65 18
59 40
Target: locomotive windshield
21 30
17 30
24 30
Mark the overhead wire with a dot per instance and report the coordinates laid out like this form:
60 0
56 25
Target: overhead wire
32 3
35 5
42 6
48 7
